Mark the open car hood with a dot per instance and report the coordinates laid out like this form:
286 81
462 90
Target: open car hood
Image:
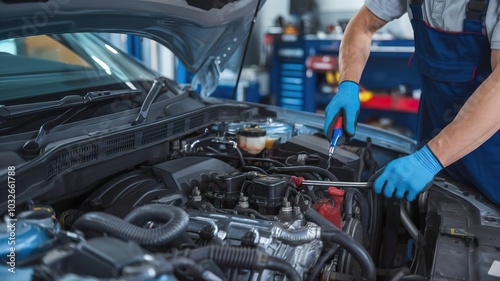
203 34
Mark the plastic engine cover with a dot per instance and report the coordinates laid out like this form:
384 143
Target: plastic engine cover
188 172
347 166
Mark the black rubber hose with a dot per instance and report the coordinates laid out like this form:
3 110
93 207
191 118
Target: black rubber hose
355 249
253 168
225 156
240 157
174 219
365 208
241 258
301 169
323 259
250 211
313 216
284 267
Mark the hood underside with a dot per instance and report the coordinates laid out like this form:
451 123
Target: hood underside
199 32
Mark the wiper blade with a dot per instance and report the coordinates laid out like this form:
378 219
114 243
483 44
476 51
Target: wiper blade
15 111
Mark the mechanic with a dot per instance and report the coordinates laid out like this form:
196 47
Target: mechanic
457 48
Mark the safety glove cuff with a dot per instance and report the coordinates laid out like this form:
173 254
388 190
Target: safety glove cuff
428 160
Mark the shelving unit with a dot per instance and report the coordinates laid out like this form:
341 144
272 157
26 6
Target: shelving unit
295 86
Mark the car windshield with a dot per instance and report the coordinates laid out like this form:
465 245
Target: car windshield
47 67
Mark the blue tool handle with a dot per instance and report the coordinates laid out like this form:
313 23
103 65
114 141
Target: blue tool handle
337 131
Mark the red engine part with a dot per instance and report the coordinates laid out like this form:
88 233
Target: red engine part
332 208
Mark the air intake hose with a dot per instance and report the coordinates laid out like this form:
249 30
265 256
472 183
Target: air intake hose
174 223
240 258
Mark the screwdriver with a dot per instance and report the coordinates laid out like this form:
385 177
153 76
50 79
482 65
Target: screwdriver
337 133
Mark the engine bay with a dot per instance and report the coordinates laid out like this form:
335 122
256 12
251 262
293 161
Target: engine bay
228 202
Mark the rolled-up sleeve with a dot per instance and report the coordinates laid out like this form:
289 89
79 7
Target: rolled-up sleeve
495 34
387 10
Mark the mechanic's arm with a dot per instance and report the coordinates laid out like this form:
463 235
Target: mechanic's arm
476 122
353 54
356 42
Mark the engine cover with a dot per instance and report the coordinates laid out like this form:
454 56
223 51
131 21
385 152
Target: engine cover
189 172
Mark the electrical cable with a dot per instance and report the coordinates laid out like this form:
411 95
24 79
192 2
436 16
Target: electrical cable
253 168
250 211
240 157
301 169
225 156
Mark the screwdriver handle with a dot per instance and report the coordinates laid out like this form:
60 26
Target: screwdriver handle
337 131
339 123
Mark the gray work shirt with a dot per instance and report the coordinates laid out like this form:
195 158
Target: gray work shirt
446 15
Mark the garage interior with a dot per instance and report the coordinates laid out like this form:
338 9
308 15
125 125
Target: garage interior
292 62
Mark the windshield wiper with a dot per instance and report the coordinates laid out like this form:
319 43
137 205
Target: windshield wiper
158 85
14 111
32 147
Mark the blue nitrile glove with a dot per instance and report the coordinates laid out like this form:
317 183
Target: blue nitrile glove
408 175
346 103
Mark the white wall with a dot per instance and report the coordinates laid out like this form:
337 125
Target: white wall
330 11
339 5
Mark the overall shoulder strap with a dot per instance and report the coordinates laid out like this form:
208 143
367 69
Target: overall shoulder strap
476 9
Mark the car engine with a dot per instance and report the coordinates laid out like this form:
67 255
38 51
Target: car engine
228 203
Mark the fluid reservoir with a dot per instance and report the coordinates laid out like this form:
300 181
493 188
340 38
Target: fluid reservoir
252 140
32 233
20 240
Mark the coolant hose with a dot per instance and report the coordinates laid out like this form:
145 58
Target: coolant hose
348 203
296 237
313 216
323 259
174 223
241 258
355 249
301 169
284 267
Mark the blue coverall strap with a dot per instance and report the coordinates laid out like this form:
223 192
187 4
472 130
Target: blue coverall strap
416 9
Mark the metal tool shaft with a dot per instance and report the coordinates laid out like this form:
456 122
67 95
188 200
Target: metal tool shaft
337 183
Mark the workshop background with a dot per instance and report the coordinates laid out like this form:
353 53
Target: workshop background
292 62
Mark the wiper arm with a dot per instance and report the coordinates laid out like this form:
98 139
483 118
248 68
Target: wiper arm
14 111
32 147
158 85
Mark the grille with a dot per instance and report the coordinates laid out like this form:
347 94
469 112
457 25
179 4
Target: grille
120 144
213 115
73 157
154 134
179 127
197 120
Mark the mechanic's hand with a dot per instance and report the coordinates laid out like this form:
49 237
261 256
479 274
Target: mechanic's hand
346 103
408 176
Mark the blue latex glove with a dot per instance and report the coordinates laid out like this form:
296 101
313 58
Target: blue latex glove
346 103
408 175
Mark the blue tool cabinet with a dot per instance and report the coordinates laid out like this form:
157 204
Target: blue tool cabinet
296 87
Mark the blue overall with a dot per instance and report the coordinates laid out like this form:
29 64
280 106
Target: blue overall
452 66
